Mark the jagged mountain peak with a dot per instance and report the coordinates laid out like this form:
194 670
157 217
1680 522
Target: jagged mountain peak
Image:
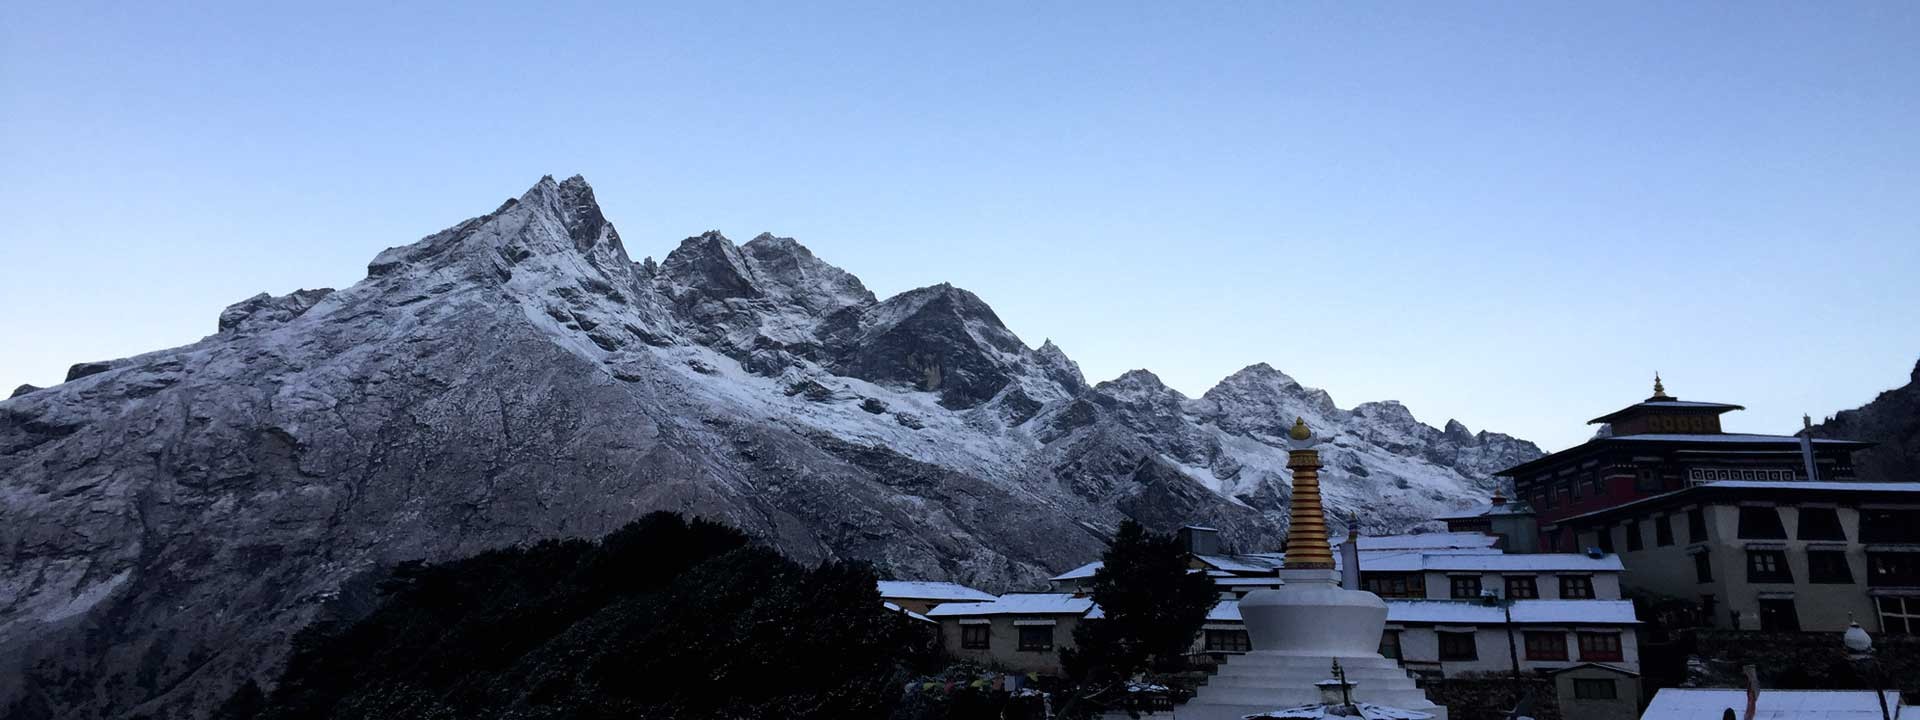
1139 385
517 377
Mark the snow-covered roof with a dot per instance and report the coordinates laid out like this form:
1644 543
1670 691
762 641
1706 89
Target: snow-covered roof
1242 563
1422 541
1510 507
1017 604
908 613
1473 612
1692 703
1224 611
927 590
1368 711
1080 573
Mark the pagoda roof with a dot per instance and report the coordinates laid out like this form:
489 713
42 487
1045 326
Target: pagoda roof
1664 404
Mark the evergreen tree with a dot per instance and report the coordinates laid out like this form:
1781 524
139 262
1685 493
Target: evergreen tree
1152 607
664 618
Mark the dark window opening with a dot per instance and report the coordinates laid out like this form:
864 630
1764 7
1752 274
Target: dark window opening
1768 566
1458 646
1828 566
1697 525
1595 689
1663 530
1778 615
1900 615
1761 523
1576 587
1394 585
1464 587
1390 644
1228 641
1599 646
1606 539
1821 524
1036 637
1546 646
1702 567
1646 480
974 637
1633 535
1522 587
1895 569
1890 526
1707 606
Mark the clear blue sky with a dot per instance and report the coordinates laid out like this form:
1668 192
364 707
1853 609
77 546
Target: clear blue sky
1510 213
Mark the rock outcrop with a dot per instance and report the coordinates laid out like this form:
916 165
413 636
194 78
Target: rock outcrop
1892 422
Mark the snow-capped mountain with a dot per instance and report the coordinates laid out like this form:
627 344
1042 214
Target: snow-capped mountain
171 519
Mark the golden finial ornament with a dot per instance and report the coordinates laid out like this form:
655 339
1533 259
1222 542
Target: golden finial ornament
1300 431
1307 532
1659 390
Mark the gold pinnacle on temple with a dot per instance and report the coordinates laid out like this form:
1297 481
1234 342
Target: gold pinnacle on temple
1307 547
1659 391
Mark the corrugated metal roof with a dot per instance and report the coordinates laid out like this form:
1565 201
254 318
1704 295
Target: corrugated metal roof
1018 604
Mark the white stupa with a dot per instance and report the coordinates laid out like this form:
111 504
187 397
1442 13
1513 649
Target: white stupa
1301 627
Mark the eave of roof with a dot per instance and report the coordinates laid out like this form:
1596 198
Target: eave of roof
1681 405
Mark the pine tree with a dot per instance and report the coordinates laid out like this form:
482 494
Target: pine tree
1152 607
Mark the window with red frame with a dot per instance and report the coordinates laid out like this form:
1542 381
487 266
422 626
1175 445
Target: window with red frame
1546 646
1600 646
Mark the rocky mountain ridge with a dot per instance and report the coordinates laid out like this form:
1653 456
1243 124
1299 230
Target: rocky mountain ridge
1892 422
172 518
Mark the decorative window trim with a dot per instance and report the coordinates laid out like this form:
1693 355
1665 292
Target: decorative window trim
1035 623
975 621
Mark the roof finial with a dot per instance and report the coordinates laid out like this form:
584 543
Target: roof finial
1659 390
1300 430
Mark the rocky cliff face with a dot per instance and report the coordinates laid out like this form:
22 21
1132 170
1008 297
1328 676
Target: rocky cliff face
1893 421
169 520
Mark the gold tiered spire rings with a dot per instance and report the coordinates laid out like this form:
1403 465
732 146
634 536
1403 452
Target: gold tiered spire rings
1307 533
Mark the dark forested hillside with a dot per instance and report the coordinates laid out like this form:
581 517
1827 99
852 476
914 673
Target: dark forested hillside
664 618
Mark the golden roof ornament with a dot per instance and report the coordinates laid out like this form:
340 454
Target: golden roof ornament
1659 391
1307 530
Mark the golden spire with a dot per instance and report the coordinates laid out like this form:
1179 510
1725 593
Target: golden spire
1307 533
1659 391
